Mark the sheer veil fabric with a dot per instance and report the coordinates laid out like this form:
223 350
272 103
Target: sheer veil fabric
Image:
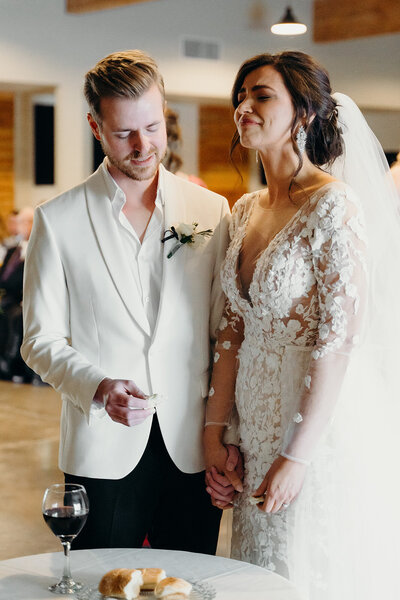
364 167
367 417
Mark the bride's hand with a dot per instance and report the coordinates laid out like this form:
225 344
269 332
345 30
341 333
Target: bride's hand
281 485
221 491
224 472
216 454
217 485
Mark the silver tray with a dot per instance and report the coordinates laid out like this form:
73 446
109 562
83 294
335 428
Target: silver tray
200 591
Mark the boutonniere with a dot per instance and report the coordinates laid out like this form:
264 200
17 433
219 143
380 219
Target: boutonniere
186 234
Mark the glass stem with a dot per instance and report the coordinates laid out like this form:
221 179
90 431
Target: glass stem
67 569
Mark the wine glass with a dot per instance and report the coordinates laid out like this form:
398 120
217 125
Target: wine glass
65 509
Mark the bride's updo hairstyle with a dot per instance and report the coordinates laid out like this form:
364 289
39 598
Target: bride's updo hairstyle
309 87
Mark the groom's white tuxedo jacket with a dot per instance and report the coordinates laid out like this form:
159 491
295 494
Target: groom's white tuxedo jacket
84 320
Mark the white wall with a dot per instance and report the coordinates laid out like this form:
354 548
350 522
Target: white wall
386 124
41 45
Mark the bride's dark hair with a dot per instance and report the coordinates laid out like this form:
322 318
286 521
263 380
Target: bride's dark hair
309 87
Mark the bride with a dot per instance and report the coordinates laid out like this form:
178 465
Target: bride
307 346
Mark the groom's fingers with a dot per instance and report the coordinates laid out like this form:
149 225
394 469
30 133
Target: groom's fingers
124 402
136 403
219 478
219 482
234 480
234 467
127 416
133 389
220 494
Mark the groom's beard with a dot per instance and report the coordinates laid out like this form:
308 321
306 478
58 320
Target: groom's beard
138 172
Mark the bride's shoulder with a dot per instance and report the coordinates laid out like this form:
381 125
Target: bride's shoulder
243 205
335 207
336 193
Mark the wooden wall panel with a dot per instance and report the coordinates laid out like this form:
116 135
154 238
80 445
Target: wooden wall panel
344 19
216 128
82 6
6 154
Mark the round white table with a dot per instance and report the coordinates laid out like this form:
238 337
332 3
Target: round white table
27 577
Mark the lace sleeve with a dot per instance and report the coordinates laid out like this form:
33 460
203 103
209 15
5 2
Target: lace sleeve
220 406
337 239
221 396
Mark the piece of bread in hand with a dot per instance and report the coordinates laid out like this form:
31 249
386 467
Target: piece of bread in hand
256 500
121 583
173 588
151 577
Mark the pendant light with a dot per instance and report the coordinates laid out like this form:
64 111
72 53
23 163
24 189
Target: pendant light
289 25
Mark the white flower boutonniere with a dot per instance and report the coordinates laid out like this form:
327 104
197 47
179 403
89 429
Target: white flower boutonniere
186 234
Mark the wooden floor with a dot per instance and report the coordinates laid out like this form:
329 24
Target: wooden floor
29 433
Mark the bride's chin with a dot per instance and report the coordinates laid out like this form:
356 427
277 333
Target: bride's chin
248 143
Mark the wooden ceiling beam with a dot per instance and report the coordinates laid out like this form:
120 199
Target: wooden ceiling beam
83 6
336 20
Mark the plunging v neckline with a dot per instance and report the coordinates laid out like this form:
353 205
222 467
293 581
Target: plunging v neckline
239 286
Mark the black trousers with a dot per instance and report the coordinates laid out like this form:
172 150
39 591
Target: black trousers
156 499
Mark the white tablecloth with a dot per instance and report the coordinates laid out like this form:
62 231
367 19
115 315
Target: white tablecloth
27 577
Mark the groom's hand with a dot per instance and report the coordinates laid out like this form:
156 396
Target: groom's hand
124 402
234 467
221 491
223 487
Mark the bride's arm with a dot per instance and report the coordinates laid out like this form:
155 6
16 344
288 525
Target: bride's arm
339 254
220 404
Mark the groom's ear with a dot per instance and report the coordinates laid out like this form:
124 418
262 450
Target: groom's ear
94 126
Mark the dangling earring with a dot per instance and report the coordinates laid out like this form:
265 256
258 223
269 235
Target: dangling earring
257 157
301 138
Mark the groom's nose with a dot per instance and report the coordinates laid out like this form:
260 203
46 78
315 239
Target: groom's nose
141 143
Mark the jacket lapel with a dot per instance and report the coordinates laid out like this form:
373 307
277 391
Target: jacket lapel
174 267
111 248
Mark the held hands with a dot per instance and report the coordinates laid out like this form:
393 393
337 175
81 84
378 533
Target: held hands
224 474
124 401
281 485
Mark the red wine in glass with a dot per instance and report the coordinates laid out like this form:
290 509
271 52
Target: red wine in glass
65 509
64 522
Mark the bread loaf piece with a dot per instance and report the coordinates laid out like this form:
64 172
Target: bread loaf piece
121 583
173 588
256 500
151 577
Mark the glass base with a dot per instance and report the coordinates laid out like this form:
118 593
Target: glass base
65 587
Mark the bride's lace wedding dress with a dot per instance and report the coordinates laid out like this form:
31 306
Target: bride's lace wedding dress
289 337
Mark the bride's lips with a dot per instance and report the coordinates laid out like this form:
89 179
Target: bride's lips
244 122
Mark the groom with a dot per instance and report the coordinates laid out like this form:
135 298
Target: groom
112 321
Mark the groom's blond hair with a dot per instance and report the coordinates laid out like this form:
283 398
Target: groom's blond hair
125 74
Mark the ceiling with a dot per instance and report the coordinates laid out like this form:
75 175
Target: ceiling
334 20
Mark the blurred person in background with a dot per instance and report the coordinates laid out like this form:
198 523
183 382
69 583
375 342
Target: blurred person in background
173 160
11 284
10 237
395 173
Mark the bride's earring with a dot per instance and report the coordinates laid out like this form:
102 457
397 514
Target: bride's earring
301 138
257 157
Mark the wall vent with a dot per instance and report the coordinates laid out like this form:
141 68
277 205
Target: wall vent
201 48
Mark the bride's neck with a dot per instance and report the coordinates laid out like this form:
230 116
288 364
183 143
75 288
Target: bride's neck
279 171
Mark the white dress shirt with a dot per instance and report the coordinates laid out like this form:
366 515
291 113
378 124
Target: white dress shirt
146 256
